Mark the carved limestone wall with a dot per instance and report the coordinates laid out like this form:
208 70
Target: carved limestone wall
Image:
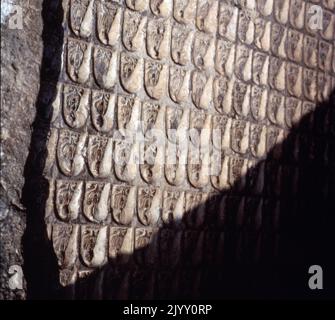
249 68
175 147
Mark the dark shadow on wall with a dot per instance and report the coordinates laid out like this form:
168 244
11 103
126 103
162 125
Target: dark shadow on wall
265 255
235 253
40 263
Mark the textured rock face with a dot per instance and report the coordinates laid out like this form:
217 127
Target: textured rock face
21 52
119 212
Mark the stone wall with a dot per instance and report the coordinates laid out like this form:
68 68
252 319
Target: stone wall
162 216
21 52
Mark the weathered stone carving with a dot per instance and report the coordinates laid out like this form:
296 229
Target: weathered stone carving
224 57
68 199
64 240
158 38
277 74
294 45
263 34
228 18
108 23
134 26
96 198
78 60
172 114
131 70
105 67
179 84
161 7
240 136
173 207
93 245
297 13
202 90
156 79
123 204
103 110
75 106
246 28
181 44
81 17
207 15
99 156
259 101
184 10
243 62
198 162
278 40
70 152
276 108
121 243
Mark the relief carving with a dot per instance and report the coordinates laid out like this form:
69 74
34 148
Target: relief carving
161 7
281 10
258 140
184 11
224 57
99 156
93 246
68 199
310 51
181 44
137 5
149 205
294 79
259 102
156 79
240 136
123 204
202 90
75 106
131 72
263 34
96 201
246 28
206 19
81 17
310 84
78 60
243 63
292 111
179 84
121 244
228 17
134 26
265 7
278 40
108 23
198 164
276 108
158 38
277 74
260 68
241 98
70 152
297 13
203 51
65 244
173 207
295 45
105 67
103 110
